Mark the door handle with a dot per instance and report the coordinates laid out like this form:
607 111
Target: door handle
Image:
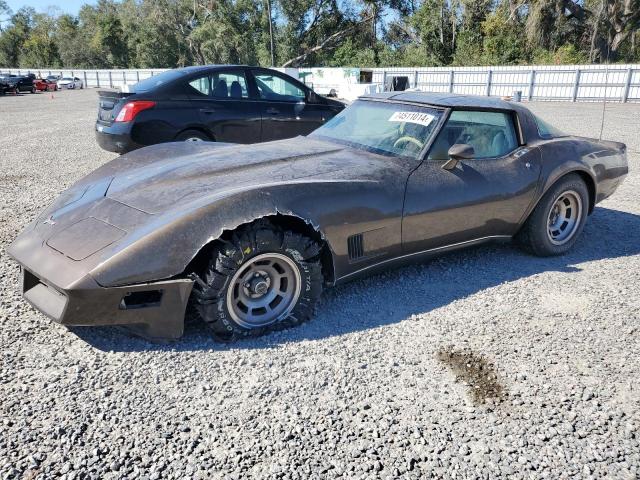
273 111
207 111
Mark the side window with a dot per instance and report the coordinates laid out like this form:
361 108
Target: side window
229 85
546 130
200 87
491 134
277 88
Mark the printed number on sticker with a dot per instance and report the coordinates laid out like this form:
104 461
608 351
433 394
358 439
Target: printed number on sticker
412 117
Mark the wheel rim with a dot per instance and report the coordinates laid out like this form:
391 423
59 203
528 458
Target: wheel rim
193 139
264 290
564 217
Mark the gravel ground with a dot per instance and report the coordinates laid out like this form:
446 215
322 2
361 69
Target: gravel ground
479 364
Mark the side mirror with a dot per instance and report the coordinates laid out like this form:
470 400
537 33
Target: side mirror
457 152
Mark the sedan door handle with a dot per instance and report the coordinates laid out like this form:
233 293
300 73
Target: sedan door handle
273 111
207 111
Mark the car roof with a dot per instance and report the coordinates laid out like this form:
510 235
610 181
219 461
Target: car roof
197 68
449 100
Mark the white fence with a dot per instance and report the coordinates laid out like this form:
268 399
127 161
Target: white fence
92 78
564 83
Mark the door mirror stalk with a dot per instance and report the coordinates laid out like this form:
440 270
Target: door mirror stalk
458 152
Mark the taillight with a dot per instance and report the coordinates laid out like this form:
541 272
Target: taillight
131 109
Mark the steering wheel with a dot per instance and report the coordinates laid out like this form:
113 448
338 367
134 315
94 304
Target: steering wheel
407 139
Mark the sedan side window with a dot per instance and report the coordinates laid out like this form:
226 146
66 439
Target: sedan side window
491 134
200 87
277 88
229 85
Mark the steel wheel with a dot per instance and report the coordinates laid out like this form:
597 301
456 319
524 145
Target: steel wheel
564 217
264 290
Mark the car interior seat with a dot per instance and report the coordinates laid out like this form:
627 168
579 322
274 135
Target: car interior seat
221 89
498 145
236 90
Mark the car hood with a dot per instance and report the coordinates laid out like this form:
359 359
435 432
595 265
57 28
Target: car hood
158 178
137 199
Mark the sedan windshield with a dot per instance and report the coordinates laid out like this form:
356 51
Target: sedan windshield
386 128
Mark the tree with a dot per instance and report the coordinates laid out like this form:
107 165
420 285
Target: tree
14 37
40 48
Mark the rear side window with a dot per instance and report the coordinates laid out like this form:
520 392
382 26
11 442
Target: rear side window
231 84
200 87
546 130
491 134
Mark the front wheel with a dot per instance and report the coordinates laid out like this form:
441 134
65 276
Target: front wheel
264 278
557 221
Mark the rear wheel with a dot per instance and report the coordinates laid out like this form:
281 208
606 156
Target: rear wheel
192 136
262 279
557 221
33 90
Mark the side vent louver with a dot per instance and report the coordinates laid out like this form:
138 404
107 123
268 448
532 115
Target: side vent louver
355 246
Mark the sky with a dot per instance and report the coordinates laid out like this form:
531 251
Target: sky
67 6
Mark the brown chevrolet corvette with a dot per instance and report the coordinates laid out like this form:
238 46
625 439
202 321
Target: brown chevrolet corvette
247 236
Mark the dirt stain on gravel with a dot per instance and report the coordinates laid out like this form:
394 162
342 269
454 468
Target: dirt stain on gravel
476 372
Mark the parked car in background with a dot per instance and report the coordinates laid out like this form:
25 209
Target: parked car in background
70 83
45 85
230 103
4 84
16 83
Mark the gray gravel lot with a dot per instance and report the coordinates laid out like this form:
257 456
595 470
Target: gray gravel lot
379 385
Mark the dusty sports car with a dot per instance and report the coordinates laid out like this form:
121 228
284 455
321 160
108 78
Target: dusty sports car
247 236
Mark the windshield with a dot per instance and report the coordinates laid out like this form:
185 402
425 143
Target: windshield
155 81
67 79
387 128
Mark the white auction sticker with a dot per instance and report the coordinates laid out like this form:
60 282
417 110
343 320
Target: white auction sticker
412 117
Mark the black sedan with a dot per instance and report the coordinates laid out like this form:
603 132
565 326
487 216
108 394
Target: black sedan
235 104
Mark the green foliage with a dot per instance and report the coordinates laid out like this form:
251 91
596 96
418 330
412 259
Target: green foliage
503 42
564 55
357 33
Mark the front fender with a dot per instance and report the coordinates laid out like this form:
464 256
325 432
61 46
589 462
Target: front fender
164 246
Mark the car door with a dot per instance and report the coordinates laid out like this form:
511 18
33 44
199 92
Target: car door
225 107
485 196
285 106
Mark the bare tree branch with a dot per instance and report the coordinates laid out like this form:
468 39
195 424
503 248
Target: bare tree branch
325 43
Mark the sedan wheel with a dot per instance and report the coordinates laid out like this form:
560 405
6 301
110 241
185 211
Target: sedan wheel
191 136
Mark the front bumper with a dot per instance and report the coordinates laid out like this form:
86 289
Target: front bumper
153 310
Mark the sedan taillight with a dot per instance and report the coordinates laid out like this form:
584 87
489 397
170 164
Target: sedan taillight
131 109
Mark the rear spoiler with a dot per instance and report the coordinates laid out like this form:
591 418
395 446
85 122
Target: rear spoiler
113 94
